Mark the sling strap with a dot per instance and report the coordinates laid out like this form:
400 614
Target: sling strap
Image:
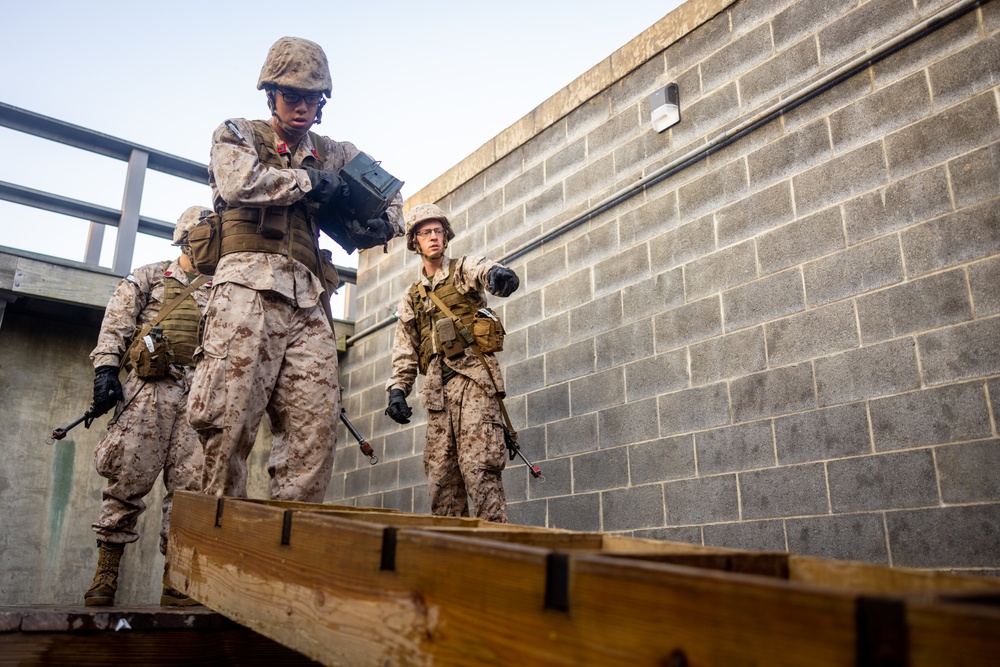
195 284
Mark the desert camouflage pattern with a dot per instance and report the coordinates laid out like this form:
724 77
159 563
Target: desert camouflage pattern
151 433
464 451
293 62
262 354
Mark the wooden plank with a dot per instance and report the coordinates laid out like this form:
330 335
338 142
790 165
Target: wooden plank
878 579
61 283
953 635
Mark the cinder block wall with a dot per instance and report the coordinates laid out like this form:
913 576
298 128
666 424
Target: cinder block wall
790 343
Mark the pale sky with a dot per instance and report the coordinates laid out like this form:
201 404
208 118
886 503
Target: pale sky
418 85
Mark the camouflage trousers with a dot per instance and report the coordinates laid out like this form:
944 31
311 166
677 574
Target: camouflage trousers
262 353
465 453
151 434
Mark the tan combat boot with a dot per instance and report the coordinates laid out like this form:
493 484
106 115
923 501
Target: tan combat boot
102 591
171 597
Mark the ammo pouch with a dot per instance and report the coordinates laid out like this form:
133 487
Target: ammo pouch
488 330
205 243
448 339
151 355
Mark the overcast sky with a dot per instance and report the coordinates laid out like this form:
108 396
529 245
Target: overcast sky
418 85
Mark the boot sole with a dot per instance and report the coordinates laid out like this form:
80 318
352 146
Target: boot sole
170 601
98 601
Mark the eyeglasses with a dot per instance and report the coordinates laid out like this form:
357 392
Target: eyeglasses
295 98
424 233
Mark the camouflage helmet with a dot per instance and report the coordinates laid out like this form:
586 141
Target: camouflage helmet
296 63
423 213
189 218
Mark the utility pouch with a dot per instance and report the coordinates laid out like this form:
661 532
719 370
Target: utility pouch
449 341
151 355
488 330
330 274
205 243
273 223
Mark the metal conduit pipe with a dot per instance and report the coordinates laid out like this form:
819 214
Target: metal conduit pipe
838 75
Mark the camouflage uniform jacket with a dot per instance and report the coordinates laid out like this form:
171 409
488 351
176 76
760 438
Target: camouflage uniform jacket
238 178
137 301
470 279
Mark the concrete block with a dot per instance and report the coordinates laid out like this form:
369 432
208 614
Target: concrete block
356 483
549 334
636 507
705 115
967 472
636 87
596 316
398 499
522 310
625 344
653 295
594 245
572 436
529 513
773 392
858 29
702 500
885 110
983 279
579 512
694 409
679 246
656 375
411 470
735 448
853 271
570 361
542 270
629 423
600 470
784 492
790 155
840 178
567 292
598 175
597 391
786 70
756 213
558 480
736 57
801 240
966 73
485 209
525 376
805 18
548 404
975 177
868 372
625 268
946 40
712 191
747 535
956 130
504 170
731 355
763 300
964 236
613 132
857 537
697 45
541 208
814 333
945 537
720 270
918 305
515 483
587 116
660 460
565 161
648 220
688 323
819 435
884 481
961 352
398 444
901 204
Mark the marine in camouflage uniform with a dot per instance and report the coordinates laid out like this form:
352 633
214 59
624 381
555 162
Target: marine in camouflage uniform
464 452
269 344
149 431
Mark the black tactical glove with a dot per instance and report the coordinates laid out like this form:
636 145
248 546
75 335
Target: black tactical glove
376 232
327 187
107 388
398 410
502 281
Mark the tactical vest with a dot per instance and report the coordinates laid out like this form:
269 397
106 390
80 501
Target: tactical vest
459 304
284 230
181 325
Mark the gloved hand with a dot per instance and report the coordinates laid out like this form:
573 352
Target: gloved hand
398 410
107 388
376 232
327 187
502 281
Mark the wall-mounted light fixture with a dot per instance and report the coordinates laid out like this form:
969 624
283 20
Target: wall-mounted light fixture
665 107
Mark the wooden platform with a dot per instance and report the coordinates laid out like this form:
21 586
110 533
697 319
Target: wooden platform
60 636
347 586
